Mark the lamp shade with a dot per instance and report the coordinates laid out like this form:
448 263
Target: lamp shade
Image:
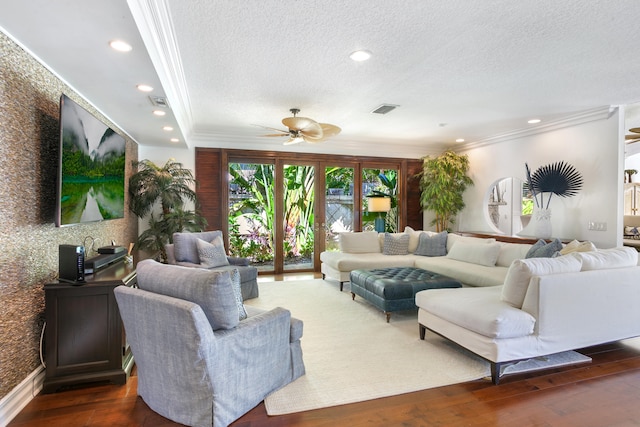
379 204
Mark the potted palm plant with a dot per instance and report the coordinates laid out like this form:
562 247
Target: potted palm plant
170 186
443 181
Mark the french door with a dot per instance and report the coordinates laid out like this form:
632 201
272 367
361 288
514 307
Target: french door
283 211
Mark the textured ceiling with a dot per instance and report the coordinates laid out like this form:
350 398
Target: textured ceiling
457 69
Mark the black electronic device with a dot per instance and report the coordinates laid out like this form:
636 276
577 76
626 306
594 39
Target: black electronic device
97 262
71 264
111 249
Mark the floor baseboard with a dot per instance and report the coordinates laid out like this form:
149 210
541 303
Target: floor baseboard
21 395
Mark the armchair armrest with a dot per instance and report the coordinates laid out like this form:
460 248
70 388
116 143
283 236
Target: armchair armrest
238 261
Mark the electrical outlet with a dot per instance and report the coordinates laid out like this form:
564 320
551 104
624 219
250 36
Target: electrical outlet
597 226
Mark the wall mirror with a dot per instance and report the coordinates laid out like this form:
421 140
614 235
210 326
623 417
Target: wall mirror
508 206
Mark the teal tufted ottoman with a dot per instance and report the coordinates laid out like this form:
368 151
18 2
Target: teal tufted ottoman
394 289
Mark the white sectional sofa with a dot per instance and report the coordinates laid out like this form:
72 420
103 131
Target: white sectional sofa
513 308
546 306
474 262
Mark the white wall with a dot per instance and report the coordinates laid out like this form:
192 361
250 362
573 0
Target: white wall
594 148
159 156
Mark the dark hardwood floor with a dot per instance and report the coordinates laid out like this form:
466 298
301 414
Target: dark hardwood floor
605 392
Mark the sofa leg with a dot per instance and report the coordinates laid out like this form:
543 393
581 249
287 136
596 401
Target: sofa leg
495 373
388 315
353 296
423 330
323 276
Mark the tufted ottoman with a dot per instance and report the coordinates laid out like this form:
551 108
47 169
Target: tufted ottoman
394 289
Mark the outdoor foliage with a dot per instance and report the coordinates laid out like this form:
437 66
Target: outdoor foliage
443 181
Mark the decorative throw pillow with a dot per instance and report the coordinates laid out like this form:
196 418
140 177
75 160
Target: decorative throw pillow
212 254
576 246
542 249
185 248
211 290
434 245
516 282
414 237
475 253
630 230
396 245
237 291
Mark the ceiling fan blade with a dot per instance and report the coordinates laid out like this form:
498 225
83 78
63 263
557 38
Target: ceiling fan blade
294 140
284 132
329 130
634 130
303 124
311 140
276 134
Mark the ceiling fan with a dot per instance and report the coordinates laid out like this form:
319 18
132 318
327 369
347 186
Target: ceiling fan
304 129
633 137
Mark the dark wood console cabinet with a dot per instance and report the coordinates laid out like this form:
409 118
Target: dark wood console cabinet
84 337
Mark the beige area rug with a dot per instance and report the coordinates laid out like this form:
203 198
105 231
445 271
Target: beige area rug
351 354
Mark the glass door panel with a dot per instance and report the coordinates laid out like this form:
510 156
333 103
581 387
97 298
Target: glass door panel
380 183
251 213
339 202
298 216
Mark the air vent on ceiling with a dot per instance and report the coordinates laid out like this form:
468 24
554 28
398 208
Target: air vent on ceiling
159 101
384 108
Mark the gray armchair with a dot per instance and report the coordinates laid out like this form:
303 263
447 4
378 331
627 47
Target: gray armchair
197 363
183 251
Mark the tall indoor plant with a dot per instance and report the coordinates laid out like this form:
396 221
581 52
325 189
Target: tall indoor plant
170 186
443 181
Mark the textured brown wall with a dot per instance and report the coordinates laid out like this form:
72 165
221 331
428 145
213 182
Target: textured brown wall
29 135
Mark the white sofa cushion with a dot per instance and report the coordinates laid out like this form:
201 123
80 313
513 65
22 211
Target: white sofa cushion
477 309
510 252
475 253
607 258
520 272
348 262
359 242
467 273
452 238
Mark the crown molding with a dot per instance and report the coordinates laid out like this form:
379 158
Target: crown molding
581 117
152 17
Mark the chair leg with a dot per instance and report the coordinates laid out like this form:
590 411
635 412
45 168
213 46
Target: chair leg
341 286
423 330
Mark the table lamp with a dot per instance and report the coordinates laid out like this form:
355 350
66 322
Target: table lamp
379 204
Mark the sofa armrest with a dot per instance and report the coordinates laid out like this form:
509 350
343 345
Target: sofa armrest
576 310
238 261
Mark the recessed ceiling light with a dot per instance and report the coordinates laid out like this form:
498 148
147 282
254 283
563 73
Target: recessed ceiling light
167 128
120 46
360 55
174 140
534 121
144 88
460 140
159 112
